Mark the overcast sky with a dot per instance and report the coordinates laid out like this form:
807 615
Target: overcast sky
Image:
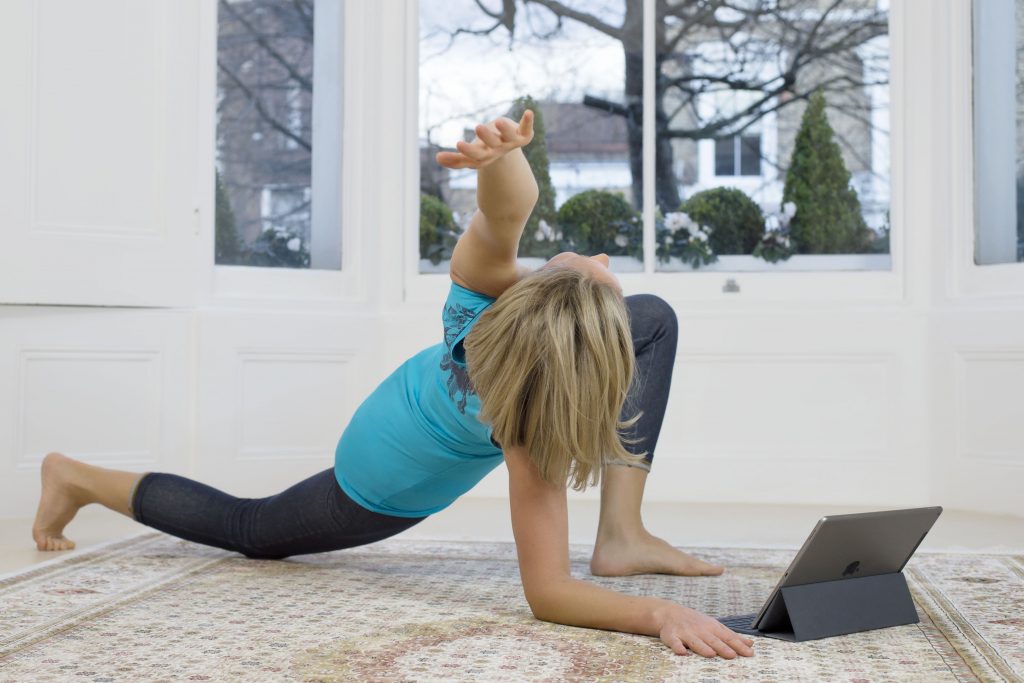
480 74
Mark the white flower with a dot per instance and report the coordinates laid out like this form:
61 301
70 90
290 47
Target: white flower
789 210
676 221
293 244
622 240
546 229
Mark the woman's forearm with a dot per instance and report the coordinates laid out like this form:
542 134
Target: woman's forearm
506 190
574 602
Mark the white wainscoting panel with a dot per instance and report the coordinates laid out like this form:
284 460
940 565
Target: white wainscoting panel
289 402
756 406
990 412
276 390
106 402
112 387
977 426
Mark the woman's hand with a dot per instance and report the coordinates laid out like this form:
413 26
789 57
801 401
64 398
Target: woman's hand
683 628
493 141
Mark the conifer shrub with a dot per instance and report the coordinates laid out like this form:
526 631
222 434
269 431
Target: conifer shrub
228 245
828 216
536 154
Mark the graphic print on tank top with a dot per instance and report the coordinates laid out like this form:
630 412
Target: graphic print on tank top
456 320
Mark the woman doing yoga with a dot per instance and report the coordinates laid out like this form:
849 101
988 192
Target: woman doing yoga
552 371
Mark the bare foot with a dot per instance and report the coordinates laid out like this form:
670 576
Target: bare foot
645 554
57 504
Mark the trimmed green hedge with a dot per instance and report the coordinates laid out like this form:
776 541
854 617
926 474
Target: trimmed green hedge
734 221
590 222
437 229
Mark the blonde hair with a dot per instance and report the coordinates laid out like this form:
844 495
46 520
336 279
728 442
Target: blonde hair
552 361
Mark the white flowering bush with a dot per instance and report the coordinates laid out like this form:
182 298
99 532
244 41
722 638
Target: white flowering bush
777 245
277 247
676 234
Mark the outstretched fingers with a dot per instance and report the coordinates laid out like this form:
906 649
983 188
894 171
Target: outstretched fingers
489 135
452 160
526 124
472 150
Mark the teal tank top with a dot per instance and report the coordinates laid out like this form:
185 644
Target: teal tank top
416 443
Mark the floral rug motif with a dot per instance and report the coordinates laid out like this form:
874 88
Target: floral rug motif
154 608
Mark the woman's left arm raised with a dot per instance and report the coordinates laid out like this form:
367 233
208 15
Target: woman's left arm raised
485 256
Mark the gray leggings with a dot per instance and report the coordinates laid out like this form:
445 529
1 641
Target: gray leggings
315 515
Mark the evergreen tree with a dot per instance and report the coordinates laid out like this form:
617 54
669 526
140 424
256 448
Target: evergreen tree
227 245
828 217
536 154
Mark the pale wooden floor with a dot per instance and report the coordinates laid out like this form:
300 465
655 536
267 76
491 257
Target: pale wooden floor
685 525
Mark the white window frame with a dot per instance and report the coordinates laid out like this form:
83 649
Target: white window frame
258 287
702 287
966 279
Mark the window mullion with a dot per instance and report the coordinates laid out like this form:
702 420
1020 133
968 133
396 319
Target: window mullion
649 145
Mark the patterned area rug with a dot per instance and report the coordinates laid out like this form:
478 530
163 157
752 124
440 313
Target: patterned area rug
156 608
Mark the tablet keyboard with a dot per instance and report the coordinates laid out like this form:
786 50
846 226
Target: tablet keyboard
739 623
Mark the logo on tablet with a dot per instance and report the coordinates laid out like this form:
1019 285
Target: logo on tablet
852 568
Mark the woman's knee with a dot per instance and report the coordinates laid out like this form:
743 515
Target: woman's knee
653 311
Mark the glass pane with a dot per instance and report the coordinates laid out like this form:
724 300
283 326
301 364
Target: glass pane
999 131
725 156
809 186
750 155
264 179
578 65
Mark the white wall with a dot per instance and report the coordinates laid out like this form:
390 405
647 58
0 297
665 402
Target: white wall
889 389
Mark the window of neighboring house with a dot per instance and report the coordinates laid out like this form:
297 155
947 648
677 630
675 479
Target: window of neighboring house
738 155
999 131
274 201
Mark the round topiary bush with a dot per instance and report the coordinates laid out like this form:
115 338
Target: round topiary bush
596 221
437 229
734 221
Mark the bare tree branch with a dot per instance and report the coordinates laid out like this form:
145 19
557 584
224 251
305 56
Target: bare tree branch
255 100
304 82
305 12
582 17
